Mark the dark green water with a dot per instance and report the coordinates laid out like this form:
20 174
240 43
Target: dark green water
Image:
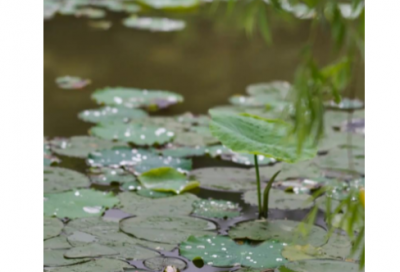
210 60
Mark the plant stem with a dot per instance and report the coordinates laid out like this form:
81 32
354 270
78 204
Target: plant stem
266 193
260 208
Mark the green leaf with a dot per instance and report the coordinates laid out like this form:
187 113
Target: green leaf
154 194
59 242
346 104
81 146
156 25
183 152
165 229
281 200
131 133
56 258
220 251
277 90
281 230
135 204
72 82
259 136
194 139
96 265
160 263
138 98
89 251
79 203
167 179
182 165
57 179
298 252
52 227
112 115
106 176
225 178
320 265
212 208
169 5
240 158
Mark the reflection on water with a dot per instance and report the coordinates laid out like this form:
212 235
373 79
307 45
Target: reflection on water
207 62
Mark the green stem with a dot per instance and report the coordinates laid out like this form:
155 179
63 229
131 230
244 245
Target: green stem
260 208
266 193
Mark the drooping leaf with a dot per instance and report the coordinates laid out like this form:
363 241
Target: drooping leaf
160 263
52 227
72 82
136 134
281 200
109 114
96 265
170 4
221 251
320 265
216 208
57 179
167 179
106 176
251 134
225 178
139 98
78 203
135 204
281 230
240 158
164 228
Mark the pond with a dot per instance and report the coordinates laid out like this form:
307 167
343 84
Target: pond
134 180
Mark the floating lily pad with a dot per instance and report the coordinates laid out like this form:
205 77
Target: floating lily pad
57 179
154 194
154 24
346 104
52 227
90 251
165 229
321 203
305 169
298 252
182 165
194 139
92 13
221 251
81 146
96 265
107 176
246 133
281 200
339 160
56 258
319 265
170 4
136 134
193 120
216 208
225 178
259 111
135 204
160 263
249 101
59 242
72 82
274 89
298 186
182 152
240 158
282 230
108 114
118 156
170 123
167 179
79 203
48 158
133 186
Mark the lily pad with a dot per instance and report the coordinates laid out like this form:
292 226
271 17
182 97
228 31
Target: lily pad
339 160
106 176
160 263
136 134
346 104
133 186
257 101
182 165
135 204
72 82
154 194
81 146
216 208
154 24
240 158
96 265
183 152
48 158
56 258
167 179
221 251
118 156
275 89
283 230
305 169
170 4
90 251
165 229
255 135
320 265
59 242
79 203
281 200
298 252
57 179
109 114
52 227
194 139
225 178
